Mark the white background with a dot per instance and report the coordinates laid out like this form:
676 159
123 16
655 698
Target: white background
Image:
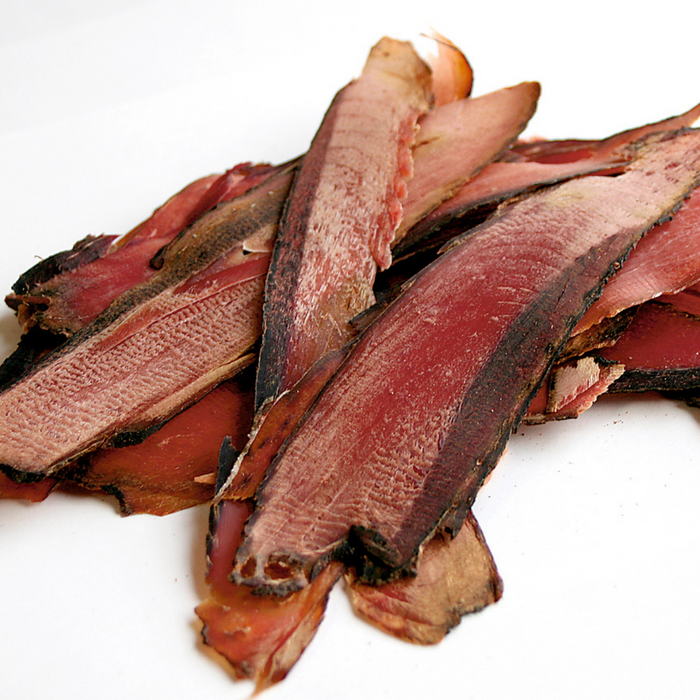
106 109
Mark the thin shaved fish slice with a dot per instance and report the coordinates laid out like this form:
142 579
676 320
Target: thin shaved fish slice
341 216
337 227
386 455
66 292
260 637
572 388
158 348
170 470
455 141
452 75
453 577
533 166
544 151
34 491
660 351
666 261
463 137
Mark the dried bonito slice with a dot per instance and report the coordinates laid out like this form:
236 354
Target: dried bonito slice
67 291
418 439
161 346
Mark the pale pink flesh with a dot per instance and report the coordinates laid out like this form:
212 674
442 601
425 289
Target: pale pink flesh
461 138
341 215
388 417
666 261
77 297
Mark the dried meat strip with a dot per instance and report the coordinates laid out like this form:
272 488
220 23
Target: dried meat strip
418 438
534 165
666 261
342 213
459 139
453 577
158 348
660 351
68 290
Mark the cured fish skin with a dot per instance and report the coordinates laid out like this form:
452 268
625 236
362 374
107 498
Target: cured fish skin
149 354
396 446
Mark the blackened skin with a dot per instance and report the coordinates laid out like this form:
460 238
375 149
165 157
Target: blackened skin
84 251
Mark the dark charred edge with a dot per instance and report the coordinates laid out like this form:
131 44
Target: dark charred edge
220 239
605 333
285 263
666 380
84 251
20 477
691 397
161 256
124 508
213 522
489 383
455 519
228 455
390 282
373 558
428 235
33 345
129 438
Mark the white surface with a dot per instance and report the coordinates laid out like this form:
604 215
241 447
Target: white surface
106 109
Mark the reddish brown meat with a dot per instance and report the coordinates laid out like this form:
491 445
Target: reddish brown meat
260 637
341 216
174 468
416 402
453 577
66 292
160 347
34 491
660 351
570 150
666 261
528 166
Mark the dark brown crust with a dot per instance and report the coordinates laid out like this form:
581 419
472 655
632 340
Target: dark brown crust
84 251
285 267
459 453
601 335
668 380
208 240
